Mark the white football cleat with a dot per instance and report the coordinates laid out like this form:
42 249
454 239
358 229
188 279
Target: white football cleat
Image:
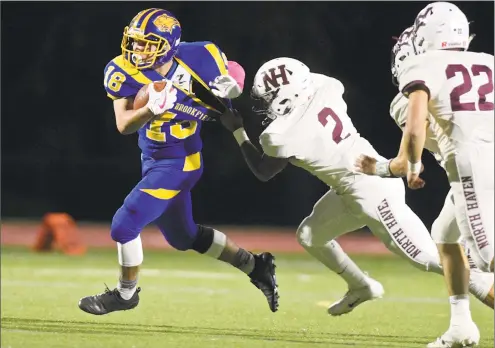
354 297
456 337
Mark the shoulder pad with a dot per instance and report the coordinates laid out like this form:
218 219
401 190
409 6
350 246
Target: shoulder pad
203 60
272 145
121 80
413 72
327 82
337 85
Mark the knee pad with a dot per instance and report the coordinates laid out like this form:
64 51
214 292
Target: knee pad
480 284
477 259
445 232
123 228
209 241
445 229
310 234
304 236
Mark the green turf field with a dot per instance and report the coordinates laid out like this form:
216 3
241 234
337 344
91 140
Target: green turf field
192 301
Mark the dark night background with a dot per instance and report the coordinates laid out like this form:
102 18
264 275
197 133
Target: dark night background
61 150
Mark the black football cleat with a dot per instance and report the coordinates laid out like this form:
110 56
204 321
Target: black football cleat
107 302
263 277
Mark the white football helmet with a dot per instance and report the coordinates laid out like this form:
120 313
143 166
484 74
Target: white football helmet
402 49
441 25
281 84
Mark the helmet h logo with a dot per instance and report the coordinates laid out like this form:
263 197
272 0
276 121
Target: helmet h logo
271 78
165 23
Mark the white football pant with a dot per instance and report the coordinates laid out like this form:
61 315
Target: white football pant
470 174
378 203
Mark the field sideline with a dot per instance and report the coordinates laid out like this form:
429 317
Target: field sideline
23 233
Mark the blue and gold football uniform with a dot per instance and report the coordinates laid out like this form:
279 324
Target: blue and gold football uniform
176 133
171 144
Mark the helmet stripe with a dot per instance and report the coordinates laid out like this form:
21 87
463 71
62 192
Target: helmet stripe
137 18
147 18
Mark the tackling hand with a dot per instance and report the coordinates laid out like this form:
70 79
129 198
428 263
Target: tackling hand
232 120
366 165
414 182
159 102
225 86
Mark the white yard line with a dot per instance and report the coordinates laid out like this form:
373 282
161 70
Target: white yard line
74 272
170 288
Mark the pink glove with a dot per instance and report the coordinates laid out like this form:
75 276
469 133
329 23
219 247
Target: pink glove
237 72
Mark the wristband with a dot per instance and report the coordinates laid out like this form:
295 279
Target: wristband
383 168
414 168
240 135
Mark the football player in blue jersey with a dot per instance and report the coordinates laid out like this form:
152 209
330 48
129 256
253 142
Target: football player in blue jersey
198 87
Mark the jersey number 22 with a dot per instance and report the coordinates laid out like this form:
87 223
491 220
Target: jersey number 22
467 85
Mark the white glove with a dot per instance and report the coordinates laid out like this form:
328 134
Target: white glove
159 102
226 87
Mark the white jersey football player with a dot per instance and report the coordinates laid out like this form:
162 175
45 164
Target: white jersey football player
455 87
309 127
445 226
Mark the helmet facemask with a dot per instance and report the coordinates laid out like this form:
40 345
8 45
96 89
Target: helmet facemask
273 104
263 105
154 48
403 48
398 57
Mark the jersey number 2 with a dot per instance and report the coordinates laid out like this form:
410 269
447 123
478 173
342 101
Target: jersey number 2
338 128
467 85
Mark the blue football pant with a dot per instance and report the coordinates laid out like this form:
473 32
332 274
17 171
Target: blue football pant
163 197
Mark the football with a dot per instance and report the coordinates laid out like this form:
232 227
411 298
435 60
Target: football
142 97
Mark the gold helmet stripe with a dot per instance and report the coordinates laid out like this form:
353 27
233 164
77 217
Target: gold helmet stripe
146 20
136 19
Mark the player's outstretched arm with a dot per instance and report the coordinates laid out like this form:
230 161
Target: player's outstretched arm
414 135
394 167
399 165
263 167
371 166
